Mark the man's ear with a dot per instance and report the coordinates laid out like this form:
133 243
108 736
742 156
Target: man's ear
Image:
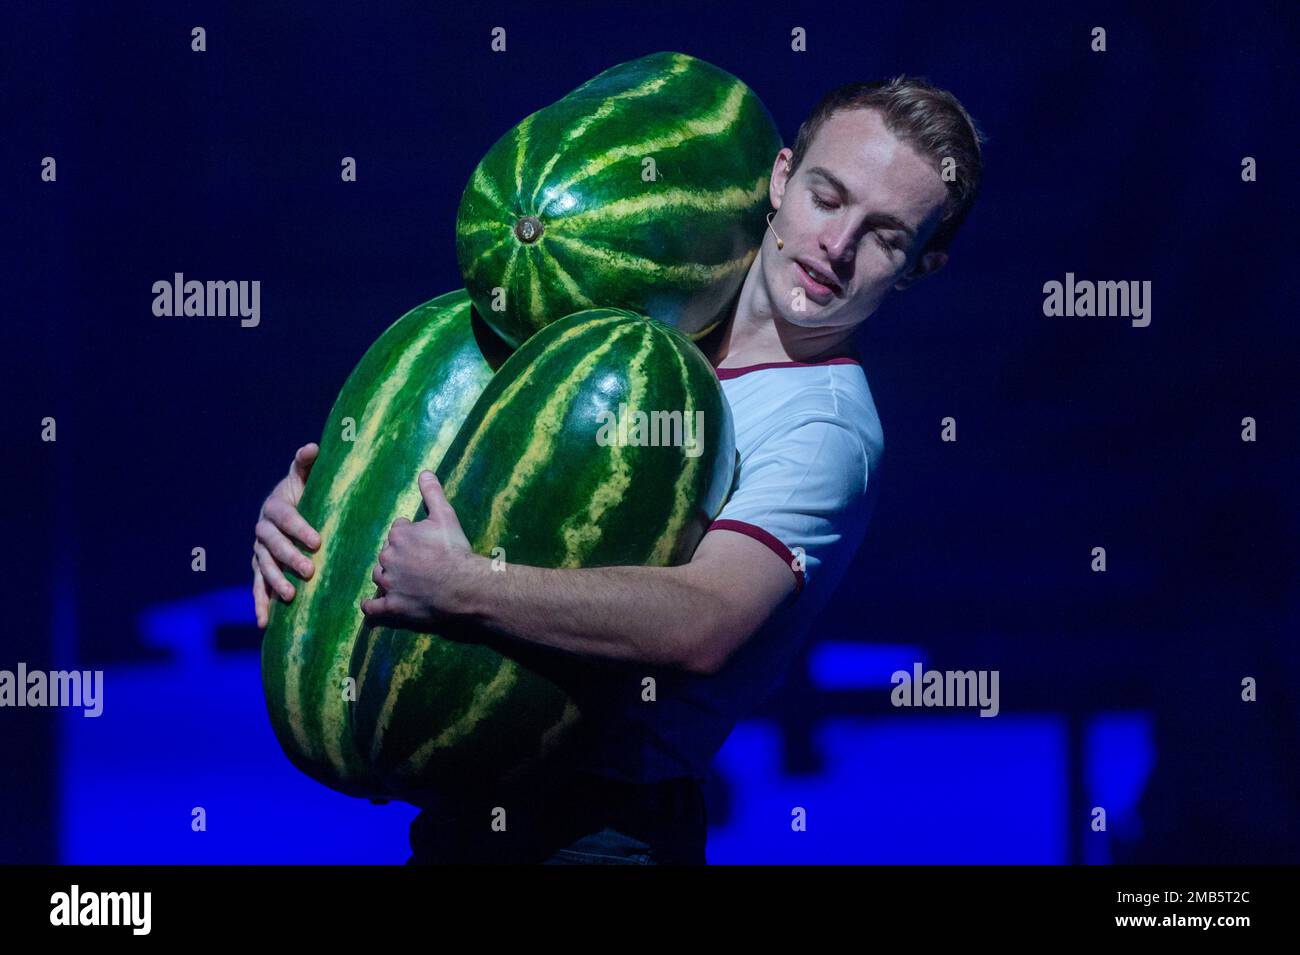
780 177
927 264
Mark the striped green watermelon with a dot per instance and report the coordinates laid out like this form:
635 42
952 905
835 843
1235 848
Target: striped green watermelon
408 397
559 216
533 473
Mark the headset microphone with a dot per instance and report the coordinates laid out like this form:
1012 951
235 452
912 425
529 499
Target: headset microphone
779 244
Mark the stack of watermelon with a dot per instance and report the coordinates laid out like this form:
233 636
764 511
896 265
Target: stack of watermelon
596 238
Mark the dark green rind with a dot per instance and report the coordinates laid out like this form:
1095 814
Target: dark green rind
410 391
491 448
674 235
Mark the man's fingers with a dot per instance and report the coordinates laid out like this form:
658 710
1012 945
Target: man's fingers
271 572
285 553
286 519
386 611
304 459
431 491
261 601
377 575
280 547
266 531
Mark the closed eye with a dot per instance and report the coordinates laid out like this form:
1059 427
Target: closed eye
889 245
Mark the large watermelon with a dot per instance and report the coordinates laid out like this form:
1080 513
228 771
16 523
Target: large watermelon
560 216
533 473
407 397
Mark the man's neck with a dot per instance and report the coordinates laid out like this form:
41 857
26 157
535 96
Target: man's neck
754 334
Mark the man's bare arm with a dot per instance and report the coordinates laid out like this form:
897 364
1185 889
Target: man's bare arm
692 617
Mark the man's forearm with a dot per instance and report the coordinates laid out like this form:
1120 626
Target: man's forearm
631 614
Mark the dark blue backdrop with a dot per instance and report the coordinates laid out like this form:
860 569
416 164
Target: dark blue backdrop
1119 689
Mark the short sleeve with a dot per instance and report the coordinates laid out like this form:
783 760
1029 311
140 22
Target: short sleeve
802 492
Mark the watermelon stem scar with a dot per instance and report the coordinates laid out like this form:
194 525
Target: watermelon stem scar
528 229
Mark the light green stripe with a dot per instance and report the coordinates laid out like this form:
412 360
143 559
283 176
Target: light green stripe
407 504
507 279
548 740
663 548
731 201
508 395
582 532
463 229
409 668
471 270
689 273
372 434
364 674
295 701
608 108
521 147
717 123
571 287
547 421
486 697
484 186
535 288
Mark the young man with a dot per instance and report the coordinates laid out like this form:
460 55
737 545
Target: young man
880 178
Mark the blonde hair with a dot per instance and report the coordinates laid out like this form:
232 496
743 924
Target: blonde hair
926 117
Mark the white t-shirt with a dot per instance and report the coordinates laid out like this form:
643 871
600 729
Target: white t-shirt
810 446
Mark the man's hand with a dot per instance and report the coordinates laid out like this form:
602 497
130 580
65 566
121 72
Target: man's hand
425 568
279 526
691 616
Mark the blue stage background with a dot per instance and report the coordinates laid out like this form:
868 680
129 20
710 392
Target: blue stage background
1119 689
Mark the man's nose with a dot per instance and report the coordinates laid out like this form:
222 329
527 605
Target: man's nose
838 245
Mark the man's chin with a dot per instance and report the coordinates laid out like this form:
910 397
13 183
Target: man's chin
814 316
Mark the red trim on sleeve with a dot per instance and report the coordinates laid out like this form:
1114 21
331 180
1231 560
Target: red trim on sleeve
726 373
766 539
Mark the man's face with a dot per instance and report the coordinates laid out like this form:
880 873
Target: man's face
858 210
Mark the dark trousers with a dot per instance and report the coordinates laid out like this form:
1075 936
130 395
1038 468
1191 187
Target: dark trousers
580 820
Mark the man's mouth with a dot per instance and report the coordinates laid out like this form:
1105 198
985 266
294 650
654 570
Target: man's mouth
818 280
